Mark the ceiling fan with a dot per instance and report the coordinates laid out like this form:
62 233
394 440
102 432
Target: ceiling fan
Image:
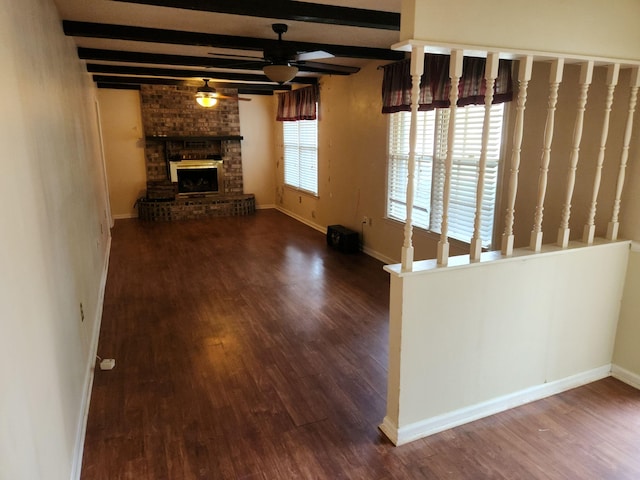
207 96
281 59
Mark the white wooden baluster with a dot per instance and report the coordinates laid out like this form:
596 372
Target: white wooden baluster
417 67
612 81
455 72
524 75
490 74
555 77
586 74
614 224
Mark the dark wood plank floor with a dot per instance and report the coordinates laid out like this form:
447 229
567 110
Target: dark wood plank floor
246 349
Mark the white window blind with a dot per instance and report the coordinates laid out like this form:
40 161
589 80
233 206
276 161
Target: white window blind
431 153
300 140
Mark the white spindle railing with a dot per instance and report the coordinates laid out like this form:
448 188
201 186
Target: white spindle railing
524 75
555 78
612 229
417 67
455 72
586 75
612 80
490 75
511 178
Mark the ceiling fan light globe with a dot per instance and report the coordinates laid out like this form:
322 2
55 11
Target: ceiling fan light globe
206 99
280 73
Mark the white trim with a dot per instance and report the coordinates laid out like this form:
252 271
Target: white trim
390 429
421 267
464 415
379 256
88 380
372 253
266 207
625 376
313 225
124 216
432 46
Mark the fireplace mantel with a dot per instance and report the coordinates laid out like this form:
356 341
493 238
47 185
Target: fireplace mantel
213 138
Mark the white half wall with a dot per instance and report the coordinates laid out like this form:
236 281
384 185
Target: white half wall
463 337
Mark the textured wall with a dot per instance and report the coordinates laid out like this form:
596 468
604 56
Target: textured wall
53 245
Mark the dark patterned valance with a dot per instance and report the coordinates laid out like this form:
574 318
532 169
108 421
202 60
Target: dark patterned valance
435 84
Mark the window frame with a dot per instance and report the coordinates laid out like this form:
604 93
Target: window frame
299 184
434 229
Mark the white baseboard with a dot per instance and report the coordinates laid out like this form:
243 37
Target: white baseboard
124 216
424 428
379 256
368 251
89 373
626 376
313 225
390 429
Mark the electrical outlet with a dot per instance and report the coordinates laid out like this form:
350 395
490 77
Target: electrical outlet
107 364
365 220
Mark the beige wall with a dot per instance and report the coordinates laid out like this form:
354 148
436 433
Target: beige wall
123 148
352 162
627 344
584 27
54 243
258 161
534 124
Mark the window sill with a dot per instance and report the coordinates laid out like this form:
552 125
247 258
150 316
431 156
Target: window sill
430 234
301 191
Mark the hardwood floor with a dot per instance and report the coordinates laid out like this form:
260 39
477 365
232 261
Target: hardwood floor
247 349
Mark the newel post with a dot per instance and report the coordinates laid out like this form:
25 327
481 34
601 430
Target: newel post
417 67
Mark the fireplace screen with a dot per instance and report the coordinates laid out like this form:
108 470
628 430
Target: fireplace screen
197 176
197 180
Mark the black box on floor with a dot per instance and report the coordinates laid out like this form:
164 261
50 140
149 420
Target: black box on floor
343 239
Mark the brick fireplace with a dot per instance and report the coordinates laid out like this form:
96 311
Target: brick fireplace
178 130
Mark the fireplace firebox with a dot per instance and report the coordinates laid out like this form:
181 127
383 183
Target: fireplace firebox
197 176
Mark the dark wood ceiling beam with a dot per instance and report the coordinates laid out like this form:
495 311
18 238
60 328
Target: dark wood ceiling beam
288 10
181 60
117 86
179 37
170 72
123 80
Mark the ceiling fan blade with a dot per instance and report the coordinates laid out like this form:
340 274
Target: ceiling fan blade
232 97
326 68
316 55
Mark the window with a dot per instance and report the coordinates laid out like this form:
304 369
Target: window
431 150
300 139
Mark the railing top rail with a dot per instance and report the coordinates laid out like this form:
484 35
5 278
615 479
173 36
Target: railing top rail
509 53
